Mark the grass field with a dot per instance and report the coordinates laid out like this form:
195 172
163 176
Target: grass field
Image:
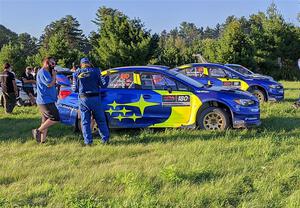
162 168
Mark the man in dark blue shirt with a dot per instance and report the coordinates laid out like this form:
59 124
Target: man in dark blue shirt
46 98
9 88
28 81
87 82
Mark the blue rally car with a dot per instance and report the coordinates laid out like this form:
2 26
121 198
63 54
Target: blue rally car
145 96
264 88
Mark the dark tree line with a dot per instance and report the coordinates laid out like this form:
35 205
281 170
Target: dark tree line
264 42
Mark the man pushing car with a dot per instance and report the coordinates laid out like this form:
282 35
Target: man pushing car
87 81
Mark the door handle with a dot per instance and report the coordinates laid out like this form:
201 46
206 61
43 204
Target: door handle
146 96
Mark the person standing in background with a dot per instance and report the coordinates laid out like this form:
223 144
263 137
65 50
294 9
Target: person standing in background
28 81
9 88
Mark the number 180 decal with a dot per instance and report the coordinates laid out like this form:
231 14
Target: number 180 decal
176 100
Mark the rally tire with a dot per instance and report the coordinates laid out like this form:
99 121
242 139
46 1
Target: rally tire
260 95
213 118
78 129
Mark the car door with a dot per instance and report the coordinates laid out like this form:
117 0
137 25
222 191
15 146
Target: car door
120 100
171 101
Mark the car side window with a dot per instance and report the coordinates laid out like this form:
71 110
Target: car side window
189 72
121 80
155 81
217 72
194 72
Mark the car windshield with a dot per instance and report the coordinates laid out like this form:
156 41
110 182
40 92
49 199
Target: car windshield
241 70
186 79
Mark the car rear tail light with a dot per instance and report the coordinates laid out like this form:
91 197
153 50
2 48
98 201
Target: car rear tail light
64 93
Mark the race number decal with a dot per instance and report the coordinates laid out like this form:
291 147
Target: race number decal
176 100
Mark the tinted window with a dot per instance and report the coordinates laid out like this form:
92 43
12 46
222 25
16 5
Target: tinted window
241 70
156 81
123 80
194 72
217 72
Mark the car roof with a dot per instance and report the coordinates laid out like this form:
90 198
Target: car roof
139 68
159 66
232 65
198 64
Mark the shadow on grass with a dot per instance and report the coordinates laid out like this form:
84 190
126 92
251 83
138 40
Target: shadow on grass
275 124
292 89
19 129
291 100
146 136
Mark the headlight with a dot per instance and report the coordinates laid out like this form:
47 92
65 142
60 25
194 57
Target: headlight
244 102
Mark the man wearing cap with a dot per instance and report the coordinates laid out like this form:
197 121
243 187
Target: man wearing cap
87 81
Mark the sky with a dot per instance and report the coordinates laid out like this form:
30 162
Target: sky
32 16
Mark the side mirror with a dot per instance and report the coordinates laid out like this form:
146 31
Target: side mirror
168 88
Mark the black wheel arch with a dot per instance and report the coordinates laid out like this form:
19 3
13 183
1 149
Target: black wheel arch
258 87
214 103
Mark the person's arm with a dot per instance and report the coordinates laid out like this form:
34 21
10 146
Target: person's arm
26 81
75 83
15 86
104 80
53 82
47 79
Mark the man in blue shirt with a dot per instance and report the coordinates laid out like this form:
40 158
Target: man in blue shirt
46 98
87 81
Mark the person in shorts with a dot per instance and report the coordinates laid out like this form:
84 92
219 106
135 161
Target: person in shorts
46 98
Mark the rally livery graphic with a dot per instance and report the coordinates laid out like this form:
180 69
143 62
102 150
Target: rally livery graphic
264 88
149 96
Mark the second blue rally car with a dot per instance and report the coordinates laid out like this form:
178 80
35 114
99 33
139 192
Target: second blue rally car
148 96
263 88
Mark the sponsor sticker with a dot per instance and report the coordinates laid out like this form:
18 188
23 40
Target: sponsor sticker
176 100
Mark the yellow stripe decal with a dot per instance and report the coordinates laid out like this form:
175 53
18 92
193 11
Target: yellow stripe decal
181 115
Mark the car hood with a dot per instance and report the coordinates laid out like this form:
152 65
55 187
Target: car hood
261 77
232 92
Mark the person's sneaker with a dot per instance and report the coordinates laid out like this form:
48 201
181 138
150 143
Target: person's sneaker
36 135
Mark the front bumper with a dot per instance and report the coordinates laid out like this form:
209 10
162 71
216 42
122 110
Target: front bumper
246 120
276 95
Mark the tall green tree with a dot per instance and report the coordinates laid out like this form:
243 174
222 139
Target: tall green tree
6 36
277 44
70 28
59 48
122 41
62 39
234 46
12 53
